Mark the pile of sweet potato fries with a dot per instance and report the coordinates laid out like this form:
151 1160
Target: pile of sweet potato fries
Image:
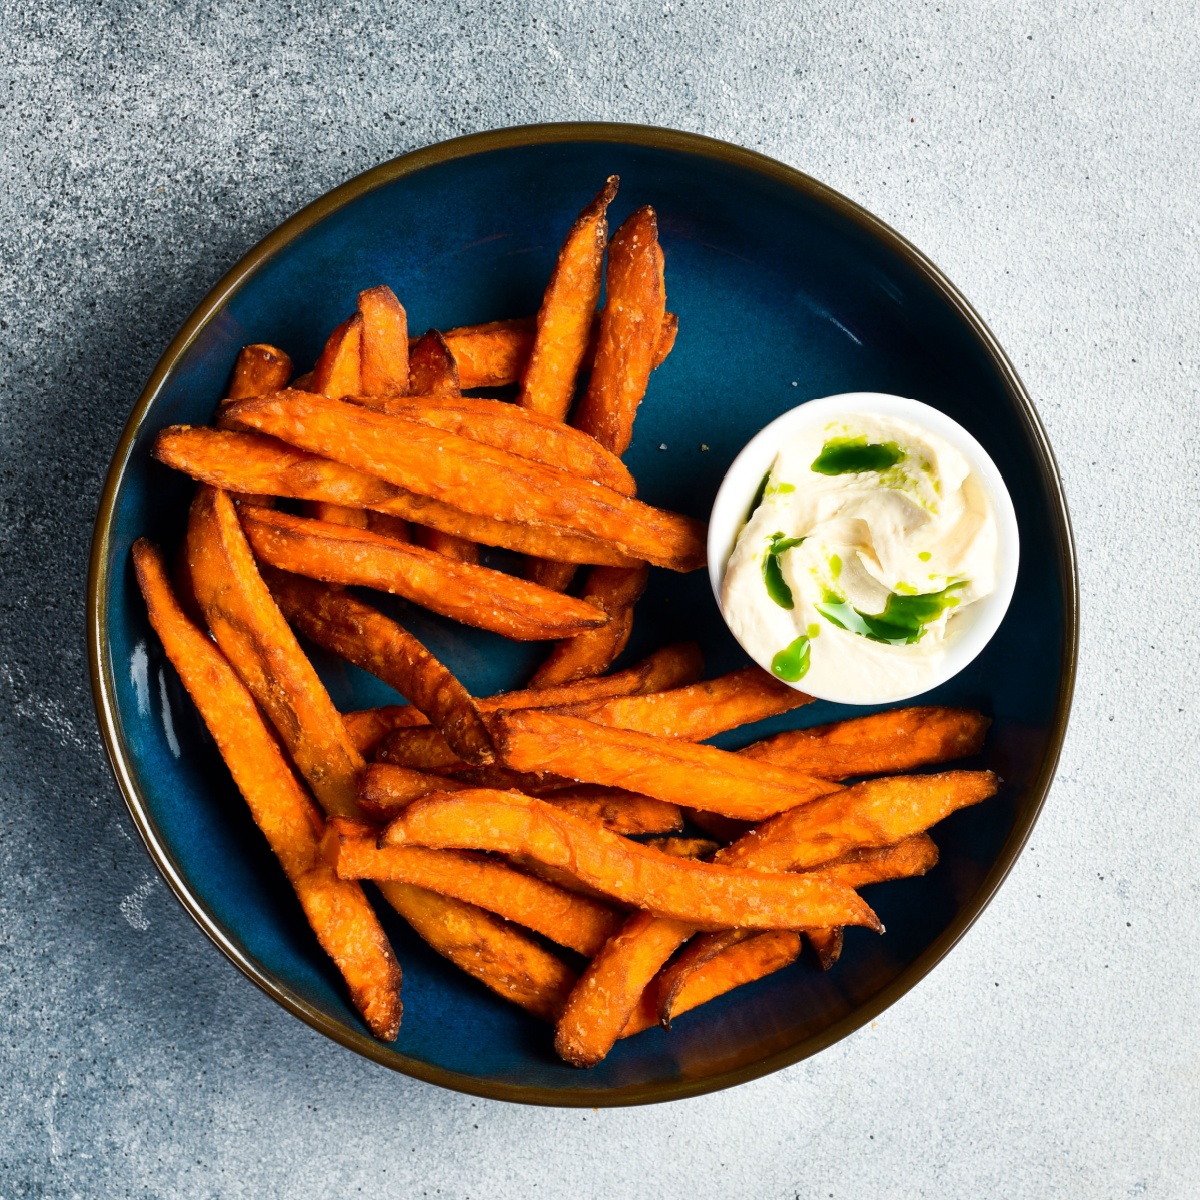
498 827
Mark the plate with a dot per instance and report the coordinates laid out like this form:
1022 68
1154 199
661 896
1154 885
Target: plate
784 290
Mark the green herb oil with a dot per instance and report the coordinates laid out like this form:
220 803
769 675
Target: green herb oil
902 621
850 456
777 587
792 664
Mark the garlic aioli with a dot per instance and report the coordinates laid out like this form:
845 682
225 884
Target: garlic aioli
867 540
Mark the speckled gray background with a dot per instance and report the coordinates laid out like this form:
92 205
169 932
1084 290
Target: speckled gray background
1044 154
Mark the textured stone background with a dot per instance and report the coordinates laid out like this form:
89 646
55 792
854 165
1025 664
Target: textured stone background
1044 154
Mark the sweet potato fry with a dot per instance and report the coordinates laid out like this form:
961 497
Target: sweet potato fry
249 462
499 955
879 812
474 595
827 943
700 951
684 847
556 576
615 590
520 431
699 711
340 915
384 524
339 369
601 1003
472 476
672 666
384 789
259 370
337 514
571 920
254 636
740 962
419 748
883 743
346 626
432 370
700 893
665 768
630 326
446 544
618 810
724 829
384 370
493 354
564 321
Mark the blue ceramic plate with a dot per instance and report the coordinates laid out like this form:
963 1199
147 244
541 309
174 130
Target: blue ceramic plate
785 291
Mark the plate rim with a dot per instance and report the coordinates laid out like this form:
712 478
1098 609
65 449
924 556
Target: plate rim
654 137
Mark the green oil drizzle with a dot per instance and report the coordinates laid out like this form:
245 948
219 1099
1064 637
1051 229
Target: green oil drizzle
777 587
902 621
924 556
792 664
851 455
758 495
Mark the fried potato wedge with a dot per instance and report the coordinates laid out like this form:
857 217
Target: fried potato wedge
473 477
665 768
251 463
259 370
571 920
340 915
493 354
883 743
705 895
742 961
601 1003
699 711
630 327
564 322
384 340
500 956
615 590
338 371
827 943
673 666
618 810
346 626
432 370
520 431
384 789
879 812
256 639
473 595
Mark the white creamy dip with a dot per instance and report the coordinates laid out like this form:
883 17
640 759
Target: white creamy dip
869 539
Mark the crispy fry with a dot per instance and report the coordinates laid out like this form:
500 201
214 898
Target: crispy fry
672 666
699 711
339 369
665 768
495 354
474 595
472 476
684 847
432 370
384 344
489 949
724 829
259 370
741 962
254 636
571 920
698 953
828 944
564 321
883 743
554 575
879 812
630 328
447 544
384 789
419 748
700 893
303 382
249 462
618 810
520 431
341 917
601 1003
336 514
615 590
344 625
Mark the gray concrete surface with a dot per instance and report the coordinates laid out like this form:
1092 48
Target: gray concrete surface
1044 154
